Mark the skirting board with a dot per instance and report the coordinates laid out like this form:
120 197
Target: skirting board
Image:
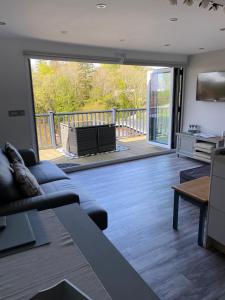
211 243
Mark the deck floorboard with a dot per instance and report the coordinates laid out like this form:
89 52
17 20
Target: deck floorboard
136 146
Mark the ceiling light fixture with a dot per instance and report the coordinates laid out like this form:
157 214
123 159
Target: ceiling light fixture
210 4
173 19
167 45
2 23
122 40
64 31
222 29
201 48
101 5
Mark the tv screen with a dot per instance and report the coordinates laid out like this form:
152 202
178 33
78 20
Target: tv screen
211 86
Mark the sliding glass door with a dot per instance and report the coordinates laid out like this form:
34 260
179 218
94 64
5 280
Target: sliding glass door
160 106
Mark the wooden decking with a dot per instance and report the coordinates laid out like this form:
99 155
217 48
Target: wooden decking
137 147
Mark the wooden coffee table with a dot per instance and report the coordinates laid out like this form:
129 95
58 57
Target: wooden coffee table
197 192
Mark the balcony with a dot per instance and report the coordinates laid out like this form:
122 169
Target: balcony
131 125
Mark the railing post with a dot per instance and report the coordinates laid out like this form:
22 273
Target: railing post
51 115
114 116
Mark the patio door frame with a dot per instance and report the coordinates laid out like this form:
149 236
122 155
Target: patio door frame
120 59
175 109
177 114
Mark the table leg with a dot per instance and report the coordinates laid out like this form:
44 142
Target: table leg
175 210
203 211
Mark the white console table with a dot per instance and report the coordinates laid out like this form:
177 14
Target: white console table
186 143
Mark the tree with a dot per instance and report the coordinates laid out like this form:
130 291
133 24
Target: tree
85 78
72 86
57 88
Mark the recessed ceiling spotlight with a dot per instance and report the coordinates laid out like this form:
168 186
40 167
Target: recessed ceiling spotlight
64 31
173 19
167 45
2 23
222 29
101 5
201 48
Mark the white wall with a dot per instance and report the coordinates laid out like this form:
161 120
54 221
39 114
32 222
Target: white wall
14 81
209 115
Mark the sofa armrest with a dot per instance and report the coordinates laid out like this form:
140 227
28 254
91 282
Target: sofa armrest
28 156
40 202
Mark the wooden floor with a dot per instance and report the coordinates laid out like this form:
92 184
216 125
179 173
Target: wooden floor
139 200
136 146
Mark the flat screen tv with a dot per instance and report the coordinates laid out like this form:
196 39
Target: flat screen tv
211 86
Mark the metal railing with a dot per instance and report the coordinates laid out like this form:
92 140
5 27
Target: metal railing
160 116
129 123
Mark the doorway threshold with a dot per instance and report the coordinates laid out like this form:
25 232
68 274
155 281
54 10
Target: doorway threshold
130 148
115 161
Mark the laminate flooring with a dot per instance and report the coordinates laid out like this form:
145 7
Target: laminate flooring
139 201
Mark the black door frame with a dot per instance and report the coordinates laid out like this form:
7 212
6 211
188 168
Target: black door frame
178 85
177 95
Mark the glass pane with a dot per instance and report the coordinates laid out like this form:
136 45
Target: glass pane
160 101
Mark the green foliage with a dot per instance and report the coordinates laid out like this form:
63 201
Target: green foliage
73 86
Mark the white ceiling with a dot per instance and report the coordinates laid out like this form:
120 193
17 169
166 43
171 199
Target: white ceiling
144 24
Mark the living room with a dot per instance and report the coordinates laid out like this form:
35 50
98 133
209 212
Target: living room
137 250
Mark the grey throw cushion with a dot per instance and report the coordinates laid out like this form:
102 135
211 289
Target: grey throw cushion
13 154
26 182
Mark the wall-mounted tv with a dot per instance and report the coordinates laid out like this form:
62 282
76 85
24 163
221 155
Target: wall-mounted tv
211 86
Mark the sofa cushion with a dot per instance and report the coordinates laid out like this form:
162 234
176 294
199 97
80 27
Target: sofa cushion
8 188
28 156
13 154
90 206
26 181
65 184
45 171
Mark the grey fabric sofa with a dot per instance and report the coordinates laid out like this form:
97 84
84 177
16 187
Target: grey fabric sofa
57 188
